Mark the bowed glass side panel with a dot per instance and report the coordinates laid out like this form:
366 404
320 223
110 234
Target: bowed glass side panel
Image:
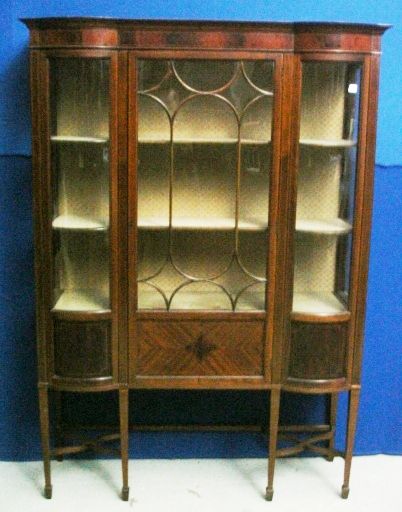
326 186
79 140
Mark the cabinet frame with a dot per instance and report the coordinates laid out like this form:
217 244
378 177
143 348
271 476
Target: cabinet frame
289 45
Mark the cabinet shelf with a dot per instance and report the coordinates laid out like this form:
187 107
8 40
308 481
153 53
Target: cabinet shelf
328 143
82 300
196 223
78 223
317 303
216 301
323 226
206 141
310 303
78 140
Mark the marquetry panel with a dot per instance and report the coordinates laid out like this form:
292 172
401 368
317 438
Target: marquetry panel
190 348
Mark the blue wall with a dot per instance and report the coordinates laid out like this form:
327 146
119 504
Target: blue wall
379 429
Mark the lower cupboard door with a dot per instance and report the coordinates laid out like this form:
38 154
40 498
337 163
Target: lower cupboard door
82 350
318 351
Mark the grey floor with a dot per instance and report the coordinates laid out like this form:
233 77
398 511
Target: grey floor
235 485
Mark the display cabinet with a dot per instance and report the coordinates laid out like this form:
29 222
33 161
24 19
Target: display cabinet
202 195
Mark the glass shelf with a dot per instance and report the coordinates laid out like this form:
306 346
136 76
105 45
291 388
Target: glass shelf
195 223
205 140
82 300
328 143
317 303
216 301
78 140
314 226
75 222
323 226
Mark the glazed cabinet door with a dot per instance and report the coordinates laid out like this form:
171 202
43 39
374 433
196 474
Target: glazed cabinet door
327 220
78 172
203 182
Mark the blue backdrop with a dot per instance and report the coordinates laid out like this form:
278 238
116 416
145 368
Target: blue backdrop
380 425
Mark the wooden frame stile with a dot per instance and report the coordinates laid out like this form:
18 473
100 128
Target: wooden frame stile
132 212
48 380
120 246
287 152
373 62
355 314
360 261
42 348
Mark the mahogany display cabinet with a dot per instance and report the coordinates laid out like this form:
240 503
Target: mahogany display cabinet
202 204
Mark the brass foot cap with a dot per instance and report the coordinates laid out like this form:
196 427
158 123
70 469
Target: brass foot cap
269 494
48 492
345 492
124 493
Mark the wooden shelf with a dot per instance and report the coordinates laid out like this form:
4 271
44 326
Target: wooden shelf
317 303
328 143
78 140
323 226
200 224
78 223
82 300
207 141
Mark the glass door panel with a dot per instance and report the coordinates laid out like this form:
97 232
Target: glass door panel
79 137
326 181
204 157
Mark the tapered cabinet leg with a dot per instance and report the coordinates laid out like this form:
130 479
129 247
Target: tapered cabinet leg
273 437
123 407
59 440
45 436
332 411
354 395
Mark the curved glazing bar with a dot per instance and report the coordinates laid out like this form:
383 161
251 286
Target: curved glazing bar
216 76
203 182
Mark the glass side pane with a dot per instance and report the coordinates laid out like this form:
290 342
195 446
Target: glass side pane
326 182
204 158
79 138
